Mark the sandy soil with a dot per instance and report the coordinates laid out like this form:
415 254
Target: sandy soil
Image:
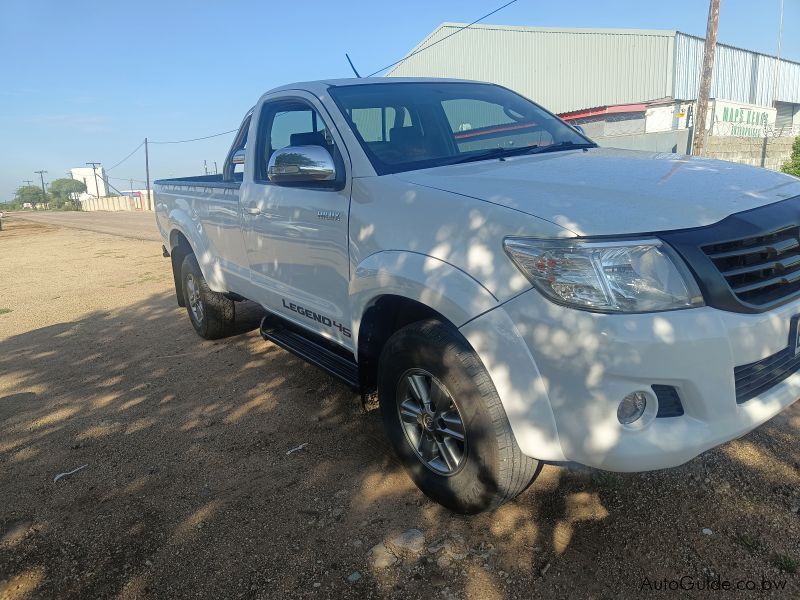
139 225
188 490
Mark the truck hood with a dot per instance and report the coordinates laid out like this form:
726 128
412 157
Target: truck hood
606 191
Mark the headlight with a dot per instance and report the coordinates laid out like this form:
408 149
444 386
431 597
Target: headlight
606 276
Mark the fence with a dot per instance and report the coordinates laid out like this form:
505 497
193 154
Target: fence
118 203
676 140
768 152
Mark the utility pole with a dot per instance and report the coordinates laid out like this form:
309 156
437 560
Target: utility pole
705 78
777 62
147 170
215 168
27 181
44 194
94 170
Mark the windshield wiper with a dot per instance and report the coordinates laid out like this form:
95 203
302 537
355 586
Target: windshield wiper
533 149
495 153
562 146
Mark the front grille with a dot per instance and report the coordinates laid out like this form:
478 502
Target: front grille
760 270
756 378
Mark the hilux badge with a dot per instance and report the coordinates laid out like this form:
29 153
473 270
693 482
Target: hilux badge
329 215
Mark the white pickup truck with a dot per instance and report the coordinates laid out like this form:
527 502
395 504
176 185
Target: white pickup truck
514 293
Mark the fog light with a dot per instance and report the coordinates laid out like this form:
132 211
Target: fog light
632 407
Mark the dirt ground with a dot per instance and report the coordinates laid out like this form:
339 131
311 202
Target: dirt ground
189 489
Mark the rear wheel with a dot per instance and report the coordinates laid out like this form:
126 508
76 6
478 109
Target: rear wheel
212 314
446 422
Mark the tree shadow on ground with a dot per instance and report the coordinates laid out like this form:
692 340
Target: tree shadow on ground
190 487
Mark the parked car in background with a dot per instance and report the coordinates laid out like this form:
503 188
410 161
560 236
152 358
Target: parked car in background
513 292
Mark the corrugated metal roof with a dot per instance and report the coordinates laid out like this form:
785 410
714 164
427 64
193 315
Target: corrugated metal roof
739 75
562 69
567 69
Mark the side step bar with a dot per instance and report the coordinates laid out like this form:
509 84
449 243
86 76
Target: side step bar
311 348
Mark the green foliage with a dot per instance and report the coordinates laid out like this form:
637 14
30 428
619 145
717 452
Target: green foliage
792 166
60 191
10 205
30 193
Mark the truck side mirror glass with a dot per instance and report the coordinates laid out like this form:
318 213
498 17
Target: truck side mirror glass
301 164
579 129
238 157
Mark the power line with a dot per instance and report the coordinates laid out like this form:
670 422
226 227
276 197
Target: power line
200 138
126 158
126 179
459 30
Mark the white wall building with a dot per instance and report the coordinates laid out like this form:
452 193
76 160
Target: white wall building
94 187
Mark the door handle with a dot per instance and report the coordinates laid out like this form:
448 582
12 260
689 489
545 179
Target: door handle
253 210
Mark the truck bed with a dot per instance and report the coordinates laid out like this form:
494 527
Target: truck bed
214 181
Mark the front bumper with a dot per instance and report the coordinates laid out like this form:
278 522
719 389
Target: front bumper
561 373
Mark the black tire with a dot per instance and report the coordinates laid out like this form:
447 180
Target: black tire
217 313
491 469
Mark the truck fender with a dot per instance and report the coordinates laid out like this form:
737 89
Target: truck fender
518 381
181 222
482 321
430 281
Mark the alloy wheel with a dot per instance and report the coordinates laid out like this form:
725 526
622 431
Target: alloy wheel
431 422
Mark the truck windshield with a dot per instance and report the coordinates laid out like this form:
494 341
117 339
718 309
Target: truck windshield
407 126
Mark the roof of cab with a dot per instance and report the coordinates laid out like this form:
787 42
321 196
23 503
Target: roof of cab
319 86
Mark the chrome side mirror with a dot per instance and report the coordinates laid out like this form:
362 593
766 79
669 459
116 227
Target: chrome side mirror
299 164
238 157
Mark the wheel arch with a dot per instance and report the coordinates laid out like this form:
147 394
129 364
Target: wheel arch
392 289
180 248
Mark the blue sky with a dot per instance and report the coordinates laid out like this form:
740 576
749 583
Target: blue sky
87 81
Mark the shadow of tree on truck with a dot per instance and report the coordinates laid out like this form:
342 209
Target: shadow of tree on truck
190 487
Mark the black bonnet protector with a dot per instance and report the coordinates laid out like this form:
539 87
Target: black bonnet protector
750 261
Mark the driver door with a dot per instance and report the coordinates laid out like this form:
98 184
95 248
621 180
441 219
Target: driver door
296 235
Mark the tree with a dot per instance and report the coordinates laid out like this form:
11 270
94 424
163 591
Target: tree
63 189
30 193
792 166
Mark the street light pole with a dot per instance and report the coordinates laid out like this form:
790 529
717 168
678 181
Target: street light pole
44 194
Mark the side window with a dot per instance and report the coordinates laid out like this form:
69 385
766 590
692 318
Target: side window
285 123
371 123
242 145
231 172
292 124
480 125
466 114
375 124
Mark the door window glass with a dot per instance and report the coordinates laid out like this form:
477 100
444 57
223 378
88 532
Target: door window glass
293 124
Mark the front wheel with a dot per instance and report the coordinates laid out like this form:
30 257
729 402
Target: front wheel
212 314
445 420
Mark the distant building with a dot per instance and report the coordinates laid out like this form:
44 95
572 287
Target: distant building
94 187
617 81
